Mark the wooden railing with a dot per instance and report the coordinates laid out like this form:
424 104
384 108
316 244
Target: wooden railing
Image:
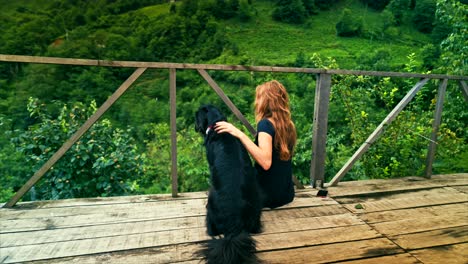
320 118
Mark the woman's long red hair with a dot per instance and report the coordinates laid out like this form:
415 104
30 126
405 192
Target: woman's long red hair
272 102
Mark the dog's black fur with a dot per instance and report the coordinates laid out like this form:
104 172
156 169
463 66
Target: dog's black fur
234 200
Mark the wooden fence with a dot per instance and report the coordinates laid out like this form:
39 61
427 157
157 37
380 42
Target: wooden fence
320 117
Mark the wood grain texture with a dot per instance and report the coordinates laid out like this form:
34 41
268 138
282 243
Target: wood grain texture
451 254
399 223
167 65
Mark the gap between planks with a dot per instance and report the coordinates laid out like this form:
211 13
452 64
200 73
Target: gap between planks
266 241
31 221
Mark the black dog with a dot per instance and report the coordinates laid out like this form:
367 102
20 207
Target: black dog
234 200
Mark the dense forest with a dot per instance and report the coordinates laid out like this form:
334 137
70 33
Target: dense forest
128 150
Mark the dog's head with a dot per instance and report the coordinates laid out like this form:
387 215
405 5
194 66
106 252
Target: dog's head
206 117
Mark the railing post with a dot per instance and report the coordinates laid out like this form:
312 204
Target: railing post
464 88
173 102
435 128
319 136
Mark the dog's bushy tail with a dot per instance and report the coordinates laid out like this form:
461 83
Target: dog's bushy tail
230 249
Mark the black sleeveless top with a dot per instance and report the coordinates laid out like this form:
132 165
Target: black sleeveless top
277 181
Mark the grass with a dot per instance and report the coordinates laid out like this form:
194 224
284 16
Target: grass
9 6
156 10
266 41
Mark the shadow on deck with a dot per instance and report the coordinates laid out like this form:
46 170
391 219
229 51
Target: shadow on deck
408 220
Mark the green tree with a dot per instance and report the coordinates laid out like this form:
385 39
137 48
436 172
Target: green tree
349 25
290 11
388 19
376 4
31 36
424 15
246 11
324 4
180 39
430 56
173 8
104 162
225 9
440 31
398 9
376 61
401 150
310 7
192 167
454 47
10 160
188 8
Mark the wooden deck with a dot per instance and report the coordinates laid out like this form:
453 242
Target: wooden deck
409 220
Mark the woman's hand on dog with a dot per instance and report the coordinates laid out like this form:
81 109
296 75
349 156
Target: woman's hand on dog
262 153
225 127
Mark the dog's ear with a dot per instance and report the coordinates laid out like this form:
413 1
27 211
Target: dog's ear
201 119
214 115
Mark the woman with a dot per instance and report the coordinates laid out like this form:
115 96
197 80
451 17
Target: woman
274 144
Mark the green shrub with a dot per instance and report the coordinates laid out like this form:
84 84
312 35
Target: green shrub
324 4
103 162
10 163
311 7
188 8
454 48
225 9
377 60
430 56
376 4
192 167
349 24
388 19
246 11
440 31
424 15
392 32
398 9
290 11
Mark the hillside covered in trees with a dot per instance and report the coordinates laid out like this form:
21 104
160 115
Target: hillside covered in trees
128 151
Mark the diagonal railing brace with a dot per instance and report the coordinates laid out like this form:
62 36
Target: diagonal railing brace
227 101
377 132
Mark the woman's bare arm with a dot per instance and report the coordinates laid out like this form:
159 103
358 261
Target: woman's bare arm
262 153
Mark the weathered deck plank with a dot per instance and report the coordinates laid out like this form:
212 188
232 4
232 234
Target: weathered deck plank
156 233
429 198
281 241
333 252
181 253
169 226
165 208
451 254
367 187
458 210
420 224
410 220
113 200
127 238
439 237
45 219
392 259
